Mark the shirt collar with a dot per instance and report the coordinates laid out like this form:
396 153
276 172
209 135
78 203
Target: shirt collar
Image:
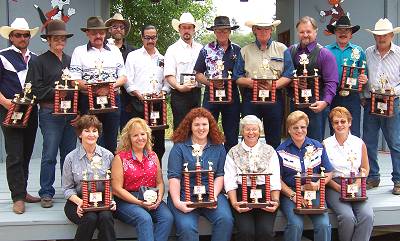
346 142
82 152
145 154
349 45
306 142
309 47
105 46
27 53
144 51
268 43
189 142
247 148
184 44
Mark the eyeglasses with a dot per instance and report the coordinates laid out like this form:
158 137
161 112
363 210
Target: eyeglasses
120 26
149 38
339 121
19 35
251 129
296 128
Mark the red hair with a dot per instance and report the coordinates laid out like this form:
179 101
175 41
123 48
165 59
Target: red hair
184 130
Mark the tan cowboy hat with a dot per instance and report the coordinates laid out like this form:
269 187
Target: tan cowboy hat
262 22
186 18
95 23
384 26
56 28
118 17
18 24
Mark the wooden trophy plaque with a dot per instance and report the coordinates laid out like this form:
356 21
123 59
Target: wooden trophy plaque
155 112
349 188
382 99
65 97
256 193
199 189
220 88
21 108
264 88
306 88
349 82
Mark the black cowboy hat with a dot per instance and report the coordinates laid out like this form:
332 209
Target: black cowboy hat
222 22
342 22
56 27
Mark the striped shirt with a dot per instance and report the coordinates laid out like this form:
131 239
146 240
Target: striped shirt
388 65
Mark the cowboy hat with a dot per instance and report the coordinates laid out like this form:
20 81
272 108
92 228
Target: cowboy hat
262 22
18 24
118 17
342 22
384 26
222 22
95 23
56 28
186 18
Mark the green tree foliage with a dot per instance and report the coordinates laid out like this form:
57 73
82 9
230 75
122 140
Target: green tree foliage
141 12
238 38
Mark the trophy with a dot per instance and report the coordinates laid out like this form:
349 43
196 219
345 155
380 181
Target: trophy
155 108
306 88
101 92
348 185
20 110
349 81
307 207
220 88
382 98
256 193
65 98
264 88
199 189
94 199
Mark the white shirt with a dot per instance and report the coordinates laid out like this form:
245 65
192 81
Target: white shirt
232 171
87 61
141 69
340 156
180 58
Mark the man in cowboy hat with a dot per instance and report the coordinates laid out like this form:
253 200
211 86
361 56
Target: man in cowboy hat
19 143
221 50
319 58
343 49
143 66
119 29
180 59
87 60
383 60
250 64
58 134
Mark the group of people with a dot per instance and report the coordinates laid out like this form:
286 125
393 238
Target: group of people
138 154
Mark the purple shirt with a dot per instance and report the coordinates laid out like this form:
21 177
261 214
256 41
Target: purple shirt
325 63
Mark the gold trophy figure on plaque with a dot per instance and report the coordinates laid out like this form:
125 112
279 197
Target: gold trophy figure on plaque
382 97
220 88
264 88
66 98
155 107
306 87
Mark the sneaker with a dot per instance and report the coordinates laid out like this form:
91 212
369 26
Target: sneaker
396 189
372 183
19 207
46 202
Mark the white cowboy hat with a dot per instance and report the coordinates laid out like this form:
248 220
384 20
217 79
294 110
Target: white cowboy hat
262 22
118 17
18 24
185 18
384 26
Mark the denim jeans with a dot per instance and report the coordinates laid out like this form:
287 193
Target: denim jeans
58 134
230 114
391 132
187 223
271 116
295 222
110 121
154 225
353 105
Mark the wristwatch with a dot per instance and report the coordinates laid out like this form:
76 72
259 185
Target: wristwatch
292 195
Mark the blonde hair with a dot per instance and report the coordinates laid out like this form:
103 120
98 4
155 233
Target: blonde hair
341 112
125 141
296 116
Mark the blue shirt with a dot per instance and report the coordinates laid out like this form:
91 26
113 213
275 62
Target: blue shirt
182 152
291 159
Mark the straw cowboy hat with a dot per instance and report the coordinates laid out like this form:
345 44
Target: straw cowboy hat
95 23
384 26
222 22
56 28
262 22
186 18
18 24
342 22
118 17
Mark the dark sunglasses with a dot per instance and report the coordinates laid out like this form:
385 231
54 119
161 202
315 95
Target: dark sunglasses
149 38
19 35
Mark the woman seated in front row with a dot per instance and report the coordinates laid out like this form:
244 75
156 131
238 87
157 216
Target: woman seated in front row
91 159
198 131
347 153
136 168
252 156
292 160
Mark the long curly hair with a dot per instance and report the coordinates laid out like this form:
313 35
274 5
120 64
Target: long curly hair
184 130
125 143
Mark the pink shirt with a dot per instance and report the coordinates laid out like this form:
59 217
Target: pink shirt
139 173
